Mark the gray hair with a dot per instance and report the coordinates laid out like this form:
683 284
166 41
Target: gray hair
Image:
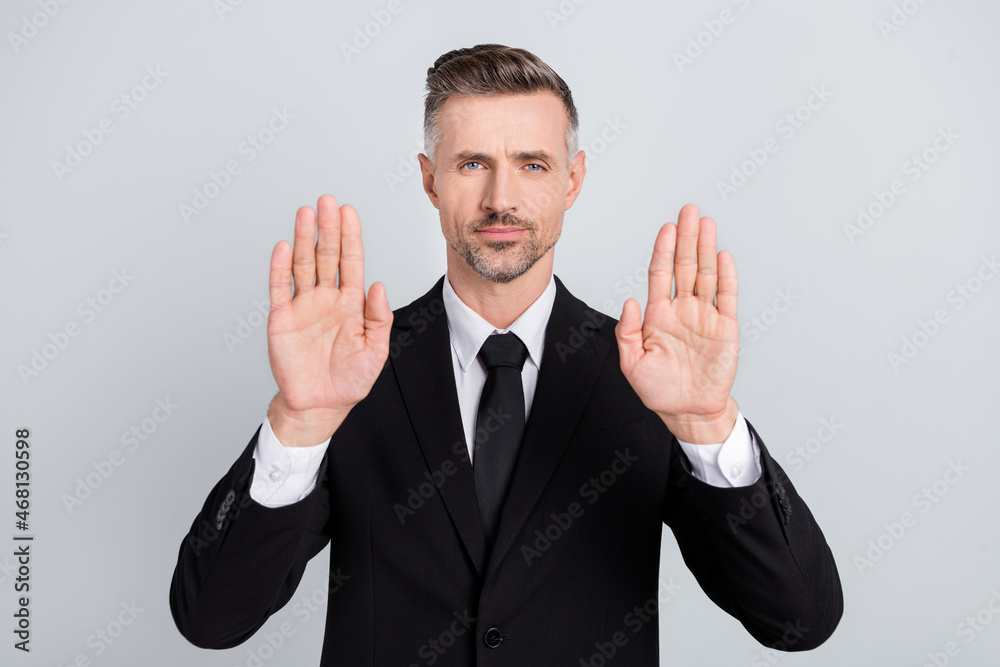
492 69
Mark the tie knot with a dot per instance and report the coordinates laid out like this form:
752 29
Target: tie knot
503 350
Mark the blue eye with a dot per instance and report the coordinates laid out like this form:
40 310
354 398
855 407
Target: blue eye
467 165
540 167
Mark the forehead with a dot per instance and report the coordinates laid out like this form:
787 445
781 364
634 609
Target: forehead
529 121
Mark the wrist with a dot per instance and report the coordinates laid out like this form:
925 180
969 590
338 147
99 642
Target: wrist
302 428
703 428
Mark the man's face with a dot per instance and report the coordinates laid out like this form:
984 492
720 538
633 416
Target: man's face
501 180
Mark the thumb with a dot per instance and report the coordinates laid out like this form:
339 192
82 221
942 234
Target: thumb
628 332
378 318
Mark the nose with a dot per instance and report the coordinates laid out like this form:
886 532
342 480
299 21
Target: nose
500 194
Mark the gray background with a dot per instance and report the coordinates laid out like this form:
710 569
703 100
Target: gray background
680 132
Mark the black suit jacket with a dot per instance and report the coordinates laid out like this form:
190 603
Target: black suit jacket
574 573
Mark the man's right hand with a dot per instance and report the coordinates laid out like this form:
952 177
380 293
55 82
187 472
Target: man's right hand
327 344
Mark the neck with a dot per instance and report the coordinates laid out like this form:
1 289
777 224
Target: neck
499 303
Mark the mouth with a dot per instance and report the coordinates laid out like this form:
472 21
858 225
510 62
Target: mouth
500 233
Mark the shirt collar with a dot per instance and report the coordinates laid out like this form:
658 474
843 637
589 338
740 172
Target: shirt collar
469 330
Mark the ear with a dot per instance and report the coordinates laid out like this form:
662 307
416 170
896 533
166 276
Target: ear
577 170
427 174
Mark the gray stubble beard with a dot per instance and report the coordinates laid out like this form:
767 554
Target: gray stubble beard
486 266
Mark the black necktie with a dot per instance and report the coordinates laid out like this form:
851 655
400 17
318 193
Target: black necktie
499 425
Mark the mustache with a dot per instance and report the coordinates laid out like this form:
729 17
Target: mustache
502 220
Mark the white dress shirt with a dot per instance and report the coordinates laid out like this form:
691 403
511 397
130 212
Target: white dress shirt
284 475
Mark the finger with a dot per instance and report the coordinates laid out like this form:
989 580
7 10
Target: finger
661 264
628 332
686 258
352 253
727 285
707 280
280 277
328 242
378 318
304 251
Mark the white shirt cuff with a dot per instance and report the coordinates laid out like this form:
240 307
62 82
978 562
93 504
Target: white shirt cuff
735 462
283 475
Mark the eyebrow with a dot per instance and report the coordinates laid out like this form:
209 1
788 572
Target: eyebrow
522 155
470 155
534 155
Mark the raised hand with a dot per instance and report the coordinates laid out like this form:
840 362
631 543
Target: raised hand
327 344
681 358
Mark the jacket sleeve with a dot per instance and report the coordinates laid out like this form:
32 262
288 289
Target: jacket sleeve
757 552
241 562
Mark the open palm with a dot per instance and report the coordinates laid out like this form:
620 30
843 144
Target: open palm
328 343
681 357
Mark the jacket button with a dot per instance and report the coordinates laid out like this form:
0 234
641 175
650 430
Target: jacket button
493 638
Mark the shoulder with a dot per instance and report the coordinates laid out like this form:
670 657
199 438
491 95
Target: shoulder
429 305
573 318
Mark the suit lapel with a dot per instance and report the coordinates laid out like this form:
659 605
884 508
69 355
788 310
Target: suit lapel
420 353
571 362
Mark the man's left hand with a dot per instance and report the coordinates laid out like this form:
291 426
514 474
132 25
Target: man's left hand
681 357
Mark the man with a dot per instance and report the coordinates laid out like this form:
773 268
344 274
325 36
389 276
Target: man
492 464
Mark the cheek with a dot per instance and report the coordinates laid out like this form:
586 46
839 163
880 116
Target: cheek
460 195
453 224
545 201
